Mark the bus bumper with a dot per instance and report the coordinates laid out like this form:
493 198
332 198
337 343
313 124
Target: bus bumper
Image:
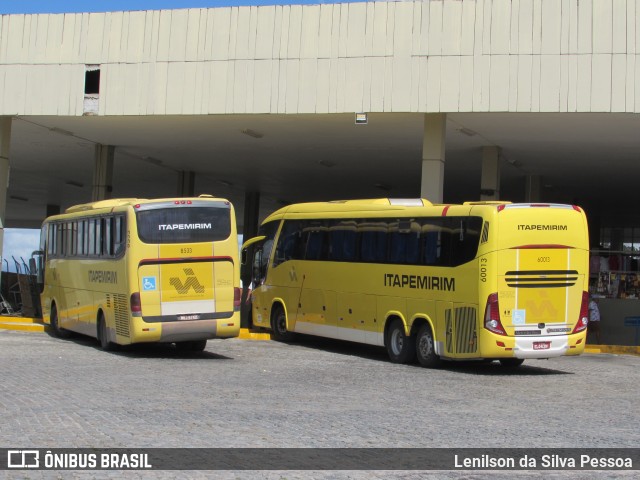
497 346
184 331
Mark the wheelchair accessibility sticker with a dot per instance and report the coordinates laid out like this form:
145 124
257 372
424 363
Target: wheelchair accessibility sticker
148 283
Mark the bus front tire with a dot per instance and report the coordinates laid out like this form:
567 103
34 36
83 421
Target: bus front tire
511 362
279 326
57 330
400 347
103 337
425 348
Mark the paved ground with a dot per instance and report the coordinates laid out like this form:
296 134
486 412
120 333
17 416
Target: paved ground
242 393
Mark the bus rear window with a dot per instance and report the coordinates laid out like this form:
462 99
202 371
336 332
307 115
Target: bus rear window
184 224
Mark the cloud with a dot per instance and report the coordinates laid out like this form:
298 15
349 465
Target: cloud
19 243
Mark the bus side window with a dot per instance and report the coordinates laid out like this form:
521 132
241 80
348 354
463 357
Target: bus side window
118 235
373 241
317 245
342 240
289 242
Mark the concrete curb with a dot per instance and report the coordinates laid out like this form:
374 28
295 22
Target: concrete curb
615 349
35 325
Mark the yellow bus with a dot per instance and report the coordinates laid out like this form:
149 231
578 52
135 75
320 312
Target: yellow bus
135 270
481 280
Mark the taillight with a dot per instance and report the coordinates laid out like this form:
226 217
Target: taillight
237 299
136 305
492 315
583 319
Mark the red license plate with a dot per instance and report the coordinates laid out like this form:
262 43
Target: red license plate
541 345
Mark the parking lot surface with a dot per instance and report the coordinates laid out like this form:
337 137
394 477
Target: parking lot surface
311 393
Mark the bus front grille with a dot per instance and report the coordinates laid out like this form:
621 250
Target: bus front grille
541 278
121 310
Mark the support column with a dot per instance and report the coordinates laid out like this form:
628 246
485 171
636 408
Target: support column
186 183
5 142
250 229
433 151
103 172
532 189
490 180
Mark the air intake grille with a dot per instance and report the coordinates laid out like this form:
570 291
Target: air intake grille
461 332
485 233
466 338
121 310
541 278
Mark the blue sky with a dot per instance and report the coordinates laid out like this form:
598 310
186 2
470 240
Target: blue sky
70 6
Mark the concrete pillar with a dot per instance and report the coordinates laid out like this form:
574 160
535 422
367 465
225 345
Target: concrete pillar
532 189
103 172
250 229
433 151
186 183
490 179
5 142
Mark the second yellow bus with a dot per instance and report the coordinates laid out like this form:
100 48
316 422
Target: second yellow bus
459 282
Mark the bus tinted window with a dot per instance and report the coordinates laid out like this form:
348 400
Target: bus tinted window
291 245
184 225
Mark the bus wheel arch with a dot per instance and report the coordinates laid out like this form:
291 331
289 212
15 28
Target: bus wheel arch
102 332
425 343
400 346
279 323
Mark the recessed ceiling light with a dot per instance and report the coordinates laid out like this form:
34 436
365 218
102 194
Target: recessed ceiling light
252 133
327 163
467 131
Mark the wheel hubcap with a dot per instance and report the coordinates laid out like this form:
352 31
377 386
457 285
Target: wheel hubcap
396 342
424 346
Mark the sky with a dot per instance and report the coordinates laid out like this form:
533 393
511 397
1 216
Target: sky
71 6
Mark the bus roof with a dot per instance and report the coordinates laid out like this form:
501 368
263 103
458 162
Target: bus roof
119 202
403 207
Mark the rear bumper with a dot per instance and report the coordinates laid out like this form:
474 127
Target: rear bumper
186 330
540 346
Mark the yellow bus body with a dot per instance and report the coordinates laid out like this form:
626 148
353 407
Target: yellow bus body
168 292
528 262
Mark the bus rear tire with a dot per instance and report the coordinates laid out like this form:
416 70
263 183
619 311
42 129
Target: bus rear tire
425 348
511 362
53 320
279 326
400 347
103 337
192 346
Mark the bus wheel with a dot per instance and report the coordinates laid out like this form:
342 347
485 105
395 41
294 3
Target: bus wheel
57 330
400 347
425 347
279 326
192 346
103 337
511 362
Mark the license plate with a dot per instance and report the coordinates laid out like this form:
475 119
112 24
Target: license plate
541 345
